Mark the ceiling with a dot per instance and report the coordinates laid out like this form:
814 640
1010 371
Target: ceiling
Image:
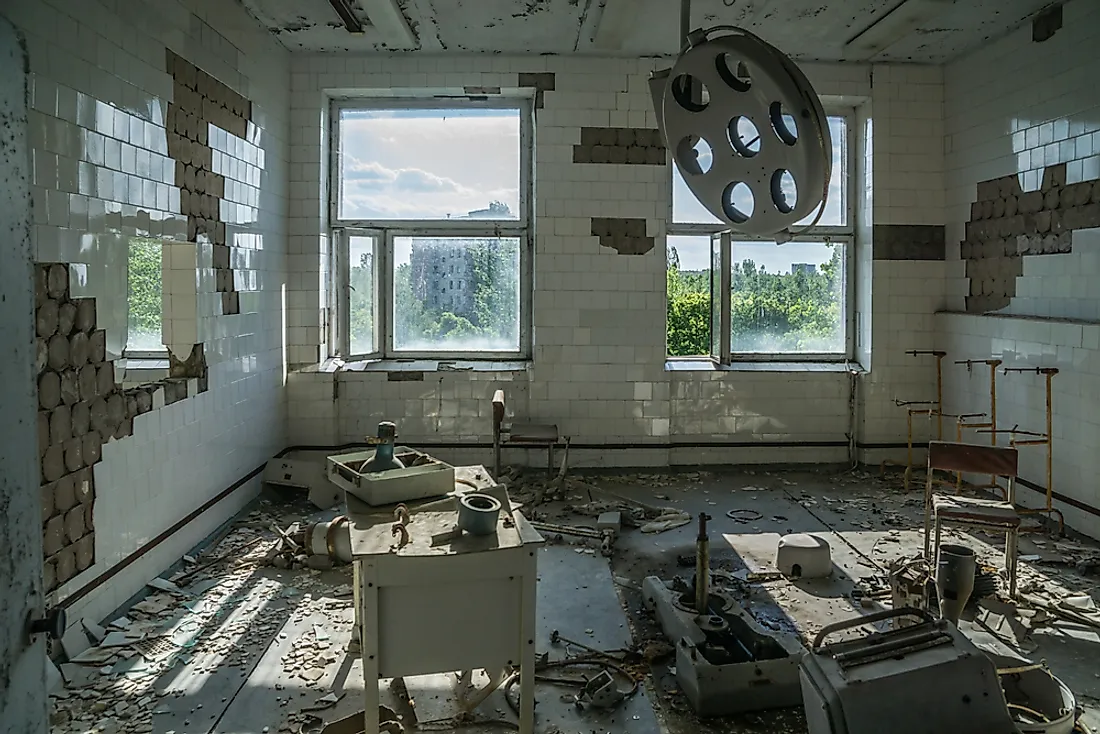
804 29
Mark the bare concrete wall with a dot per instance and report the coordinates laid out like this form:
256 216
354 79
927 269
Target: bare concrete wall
22 673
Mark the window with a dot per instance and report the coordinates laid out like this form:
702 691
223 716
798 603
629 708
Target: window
144 298
430 205
755 299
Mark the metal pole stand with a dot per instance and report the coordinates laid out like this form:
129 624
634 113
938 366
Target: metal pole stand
930 412
965 420
1038 439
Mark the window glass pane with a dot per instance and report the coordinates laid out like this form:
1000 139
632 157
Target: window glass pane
361 294
429 164
788 298
145 297
456 294
686 209
689 301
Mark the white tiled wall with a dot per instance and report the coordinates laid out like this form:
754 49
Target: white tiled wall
907 189
100 91
1073 348
1015 107
599 318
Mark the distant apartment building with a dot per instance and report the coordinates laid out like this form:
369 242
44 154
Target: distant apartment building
442 271
804 268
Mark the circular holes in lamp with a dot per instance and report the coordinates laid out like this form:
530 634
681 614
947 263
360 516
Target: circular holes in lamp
738 202
743 136
784 191
690 93
784 124
694 155
733 72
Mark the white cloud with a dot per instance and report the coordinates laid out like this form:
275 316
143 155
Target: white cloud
430 166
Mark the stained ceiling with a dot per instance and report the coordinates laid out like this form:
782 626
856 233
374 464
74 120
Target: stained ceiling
935 31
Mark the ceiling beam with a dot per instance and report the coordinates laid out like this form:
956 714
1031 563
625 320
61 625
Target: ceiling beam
615 24
347 15
900 21
386 16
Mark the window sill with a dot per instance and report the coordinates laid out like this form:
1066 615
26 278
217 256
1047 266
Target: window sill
141 371
424 365
706 365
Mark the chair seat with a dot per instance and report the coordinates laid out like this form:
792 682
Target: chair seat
533 433
972 509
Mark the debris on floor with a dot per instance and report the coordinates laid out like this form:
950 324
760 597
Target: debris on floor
209 618
260 588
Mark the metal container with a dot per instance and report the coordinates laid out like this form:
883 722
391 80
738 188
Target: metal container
478 513
924 679
423 476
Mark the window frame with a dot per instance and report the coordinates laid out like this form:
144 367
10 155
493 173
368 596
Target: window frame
840 234
384 231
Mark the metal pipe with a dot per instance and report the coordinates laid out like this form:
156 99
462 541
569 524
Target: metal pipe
685 20
702 567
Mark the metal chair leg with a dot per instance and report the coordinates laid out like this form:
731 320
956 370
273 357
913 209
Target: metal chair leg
936 550
1012 539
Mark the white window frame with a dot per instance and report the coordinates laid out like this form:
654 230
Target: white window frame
384 231
845 235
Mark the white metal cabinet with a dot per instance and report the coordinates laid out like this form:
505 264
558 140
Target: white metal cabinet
447 604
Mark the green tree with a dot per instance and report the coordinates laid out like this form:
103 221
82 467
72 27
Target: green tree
145 294
688 314
770 312
361 305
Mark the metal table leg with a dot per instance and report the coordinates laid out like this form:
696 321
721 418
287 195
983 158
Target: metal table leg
368 641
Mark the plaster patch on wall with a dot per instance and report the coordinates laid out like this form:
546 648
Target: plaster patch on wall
909 242
542 81
625 236
200 100
1007 223
636 146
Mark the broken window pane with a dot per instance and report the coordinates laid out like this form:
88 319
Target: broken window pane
480 313
361 295
686 209
145 297
429 164
788 298
689 302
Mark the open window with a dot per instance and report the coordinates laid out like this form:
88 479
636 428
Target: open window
766 301
431 210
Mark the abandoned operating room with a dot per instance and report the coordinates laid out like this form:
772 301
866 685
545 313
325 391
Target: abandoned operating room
549 366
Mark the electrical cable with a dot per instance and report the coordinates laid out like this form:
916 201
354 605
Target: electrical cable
589 661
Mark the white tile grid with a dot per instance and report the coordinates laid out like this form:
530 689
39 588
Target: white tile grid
908 144
102 175
1074 348
598 316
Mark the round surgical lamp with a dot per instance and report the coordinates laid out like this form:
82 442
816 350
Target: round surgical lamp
746 130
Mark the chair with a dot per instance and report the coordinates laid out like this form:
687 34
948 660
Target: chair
973 512
520 435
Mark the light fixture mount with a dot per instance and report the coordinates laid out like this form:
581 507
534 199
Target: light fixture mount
746 130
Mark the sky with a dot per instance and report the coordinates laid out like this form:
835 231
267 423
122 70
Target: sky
428 163
694 253
435 163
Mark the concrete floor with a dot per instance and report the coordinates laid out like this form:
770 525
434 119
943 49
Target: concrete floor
262 646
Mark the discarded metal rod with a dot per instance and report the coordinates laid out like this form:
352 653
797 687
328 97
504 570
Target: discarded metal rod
702 566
